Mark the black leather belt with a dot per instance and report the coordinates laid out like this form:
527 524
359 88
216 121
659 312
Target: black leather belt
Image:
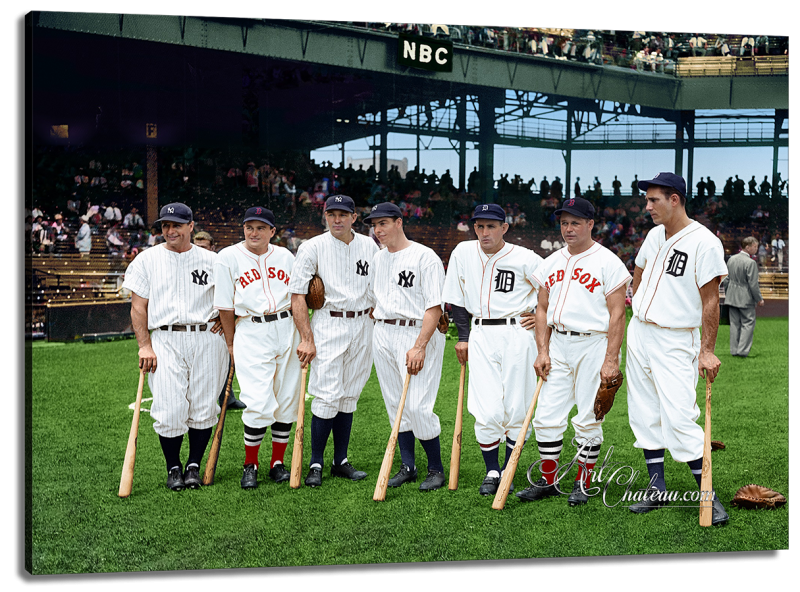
202 327
401 322
495 321
348 313
272 317
573 333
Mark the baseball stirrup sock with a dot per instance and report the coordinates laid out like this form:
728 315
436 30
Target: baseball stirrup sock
320 430
280 439
489 452
171 447
588 457
342 424
433 450
655 467
252 443
549 452
406 442
198 441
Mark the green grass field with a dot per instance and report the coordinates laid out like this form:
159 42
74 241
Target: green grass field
81 418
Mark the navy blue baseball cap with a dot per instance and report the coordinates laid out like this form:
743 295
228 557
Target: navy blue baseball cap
261 214
176 212
488 212
577 206
385 210
670 180
340 202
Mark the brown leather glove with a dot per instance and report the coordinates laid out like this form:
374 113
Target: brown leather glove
315 298
605 395
756 496
444 323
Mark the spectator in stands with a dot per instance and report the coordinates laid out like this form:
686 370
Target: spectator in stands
546 245
251 177
83 240
112 214
116 246
747 46
753 185
133 220
577 187
205 241
59 229
670 47
544 188
721 48
711 187
698 44
765 187
762 45
762 254
155 238
635 186
757 213
701 190
44 237
738 187
778 245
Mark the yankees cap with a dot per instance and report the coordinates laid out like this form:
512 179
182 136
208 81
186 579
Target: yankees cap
670 180
261 214
176 212
340 202
488 212
385 210
577 206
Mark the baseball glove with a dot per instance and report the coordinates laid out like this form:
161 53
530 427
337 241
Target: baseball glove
717 445
605 395
756 496
315 298
444 323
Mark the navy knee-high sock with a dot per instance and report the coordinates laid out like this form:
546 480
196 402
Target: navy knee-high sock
406 442
433 450
509 449
342 424
320 430
696 466
171 447
198 441
489 452
655 467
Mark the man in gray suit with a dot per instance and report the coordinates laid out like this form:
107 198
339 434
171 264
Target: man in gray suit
741 295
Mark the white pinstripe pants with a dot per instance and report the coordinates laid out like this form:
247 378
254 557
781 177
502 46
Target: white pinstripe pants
191 372
390 344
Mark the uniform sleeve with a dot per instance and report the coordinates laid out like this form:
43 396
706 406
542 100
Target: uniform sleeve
433 272
374 250
304 268
136 278
644 252
710 262
224 287
536 271
617 276
453 291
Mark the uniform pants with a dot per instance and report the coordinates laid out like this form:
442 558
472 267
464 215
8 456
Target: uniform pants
390 344
192 369
661 373
743 324
501 380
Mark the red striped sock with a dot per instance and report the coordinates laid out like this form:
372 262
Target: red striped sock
549 468
251 455
585 475
278 452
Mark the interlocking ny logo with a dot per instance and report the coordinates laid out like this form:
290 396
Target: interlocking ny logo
171 210
484 208
406 279
200 277
338 199
676 266
504 281
362 268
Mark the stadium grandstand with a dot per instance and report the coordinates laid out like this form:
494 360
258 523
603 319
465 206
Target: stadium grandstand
222 114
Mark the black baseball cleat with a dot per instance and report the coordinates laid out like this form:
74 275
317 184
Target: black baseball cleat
314 477
404 475
577 497
434 480
347 471
718 514
250 477
489 485
652 501
279 473
234 403
191 478
537 491
175 479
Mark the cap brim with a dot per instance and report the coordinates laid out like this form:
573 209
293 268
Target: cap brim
173 219
644 185
573 212
264 220
490 217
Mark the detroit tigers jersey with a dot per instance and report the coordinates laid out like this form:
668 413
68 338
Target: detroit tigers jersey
178 286
491 286
578 285
407 283
674 272
346 270
251 284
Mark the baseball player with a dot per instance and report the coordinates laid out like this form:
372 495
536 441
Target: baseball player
407 288
676 290
254 305
172 304
338 338
491 280
579 331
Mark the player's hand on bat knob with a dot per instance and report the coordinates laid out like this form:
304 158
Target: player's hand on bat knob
306 351
415 360
462 352
542 365
708 365
527 321
147 359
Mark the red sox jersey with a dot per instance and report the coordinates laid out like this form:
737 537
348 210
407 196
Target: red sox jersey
491 286
674 272
577 287
251 284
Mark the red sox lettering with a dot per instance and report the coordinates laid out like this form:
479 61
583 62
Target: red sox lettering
253 275
578 275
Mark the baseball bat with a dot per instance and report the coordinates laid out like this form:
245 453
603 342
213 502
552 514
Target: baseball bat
126 481
455 455
216 442
297 452
511 468
705 481
388 457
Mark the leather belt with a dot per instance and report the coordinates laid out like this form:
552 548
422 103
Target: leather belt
348 313
272 317
573 333
189 328
495 321
401 322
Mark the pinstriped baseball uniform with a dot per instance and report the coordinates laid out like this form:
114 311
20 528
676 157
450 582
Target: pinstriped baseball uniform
267 366
405 285
664 340
344 345
501 379
192 365
577 287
